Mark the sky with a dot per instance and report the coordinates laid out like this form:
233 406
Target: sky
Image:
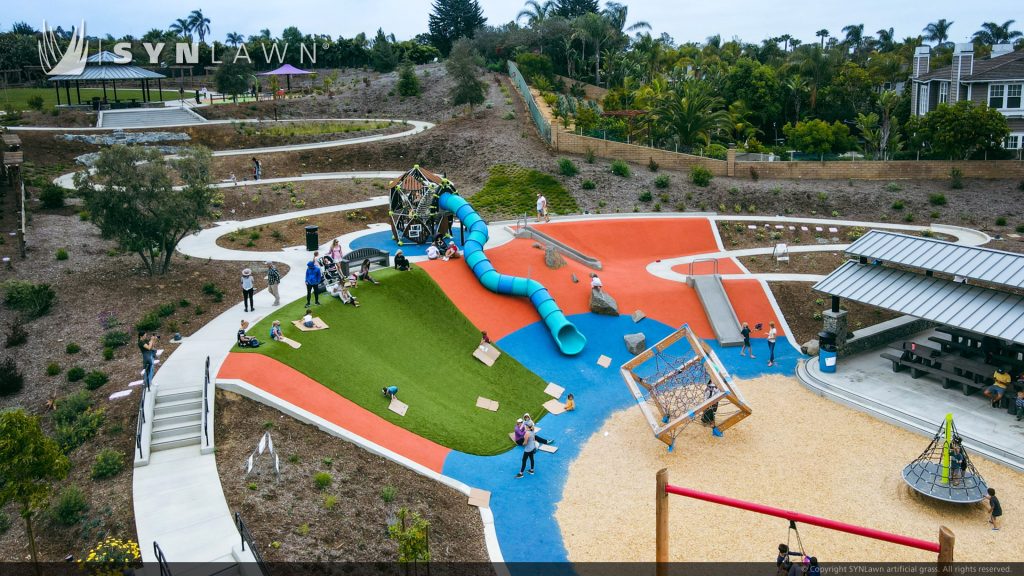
684 20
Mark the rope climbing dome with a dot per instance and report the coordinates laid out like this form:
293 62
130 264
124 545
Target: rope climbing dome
680 380
944 471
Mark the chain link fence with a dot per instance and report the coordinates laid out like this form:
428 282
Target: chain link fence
542 125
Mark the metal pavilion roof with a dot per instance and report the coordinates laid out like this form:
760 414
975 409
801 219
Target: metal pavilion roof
972 308
984 264
94 72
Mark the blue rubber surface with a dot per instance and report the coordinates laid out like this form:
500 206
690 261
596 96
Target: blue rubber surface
526 506
382 240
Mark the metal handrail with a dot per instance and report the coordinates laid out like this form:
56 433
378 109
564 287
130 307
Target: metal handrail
165 568
206 401
696 260
247 539
141 421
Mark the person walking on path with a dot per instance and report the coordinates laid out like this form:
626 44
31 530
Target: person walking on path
995 509
147 346
772 335
746 341
257 168
313 279
542 208
248 289
529 449
274 282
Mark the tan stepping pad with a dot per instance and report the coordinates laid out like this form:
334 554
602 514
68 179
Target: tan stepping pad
554 390
487 354
604 361
318 324
398 407
487 404
554 406
479 498
290 342
120 394
547 448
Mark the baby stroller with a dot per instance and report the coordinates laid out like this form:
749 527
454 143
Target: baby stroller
330 268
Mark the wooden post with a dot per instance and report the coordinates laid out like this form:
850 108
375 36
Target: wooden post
661 524
946 541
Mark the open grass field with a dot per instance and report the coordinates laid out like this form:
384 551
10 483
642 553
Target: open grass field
17 98
408 334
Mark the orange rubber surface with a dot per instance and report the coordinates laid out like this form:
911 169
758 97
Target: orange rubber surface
295 387
625 248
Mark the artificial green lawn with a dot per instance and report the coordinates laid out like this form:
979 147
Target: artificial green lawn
17 98
407 333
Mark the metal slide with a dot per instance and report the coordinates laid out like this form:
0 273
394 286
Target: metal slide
716 304
569 340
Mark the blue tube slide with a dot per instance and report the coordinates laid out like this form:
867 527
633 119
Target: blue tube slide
569 340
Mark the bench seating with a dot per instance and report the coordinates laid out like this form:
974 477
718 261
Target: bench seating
356 257
922 359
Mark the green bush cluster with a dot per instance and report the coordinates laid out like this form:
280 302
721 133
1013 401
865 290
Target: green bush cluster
75 374
61 254
109 462
937 199
11 378
700 176
52 369
149 322
51 196
620 168
75 420
661 182
70 506
95 379
32 300
72 348
956 179
322 480
115 339
16 336
566 167
588 185
645 196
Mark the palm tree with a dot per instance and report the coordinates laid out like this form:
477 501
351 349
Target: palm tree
181 28
234 38
691 113
938 31
823 34
594 28
616 14
535 12
854 36
200 24
785 39
814 63
886 39
796 85
992 33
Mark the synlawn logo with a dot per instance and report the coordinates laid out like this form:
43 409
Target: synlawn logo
69 62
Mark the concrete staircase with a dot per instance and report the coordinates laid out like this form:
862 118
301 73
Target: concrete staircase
146 117
177 418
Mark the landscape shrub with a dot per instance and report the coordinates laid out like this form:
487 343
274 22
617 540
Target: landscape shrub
11 379
95 379
408 83
76 432
108 353
956 179
652 165
5 523
61 254
588 185
72 348
1020 228
661 181
166 310
51 196
52 369
35 102
70 506
567 168
109 462
620 168
149 322
590 156
645 196
322 480
937 199
1020 186
909 217
16 336
700 176
387 493
1001 221
754 174
115 339
893 187
32 300
898 205
75 374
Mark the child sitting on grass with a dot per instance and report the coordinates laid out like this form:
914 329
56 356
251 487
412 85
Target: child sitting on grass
275 331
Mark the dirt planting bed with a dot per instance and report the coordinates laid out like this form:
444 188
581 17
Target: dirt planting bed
249 135
245 202
802 308
345 521
293 232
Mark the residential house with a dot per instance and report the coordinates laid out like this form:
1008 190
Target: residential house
996 81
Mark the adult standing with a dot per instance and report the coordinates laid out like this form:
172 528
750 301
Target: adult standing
257 168
248 289
746 341
273 282
772 335
529 449
147 346
314 276
542 208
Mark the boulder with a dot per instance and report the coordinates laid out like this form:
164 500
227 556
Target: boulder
537 246
575 280
810 348
553 259
635 343
638 316
603 303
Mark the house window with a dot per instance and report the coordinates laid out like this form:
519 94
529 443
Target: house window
922 100
1013 95
1013 141
943 92
995 95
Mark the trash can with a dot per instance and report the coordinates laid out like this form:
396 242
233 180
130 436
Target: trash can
312 238
827 351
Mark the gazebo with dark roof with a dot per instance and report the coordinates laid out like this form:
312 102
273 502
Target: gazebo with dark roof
101 67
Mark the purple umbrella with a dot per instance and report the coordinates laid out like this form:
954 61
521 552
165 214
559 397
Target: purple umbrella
287 71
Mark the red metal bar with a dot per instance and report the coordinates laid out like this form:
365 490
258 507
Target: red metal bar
805 518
